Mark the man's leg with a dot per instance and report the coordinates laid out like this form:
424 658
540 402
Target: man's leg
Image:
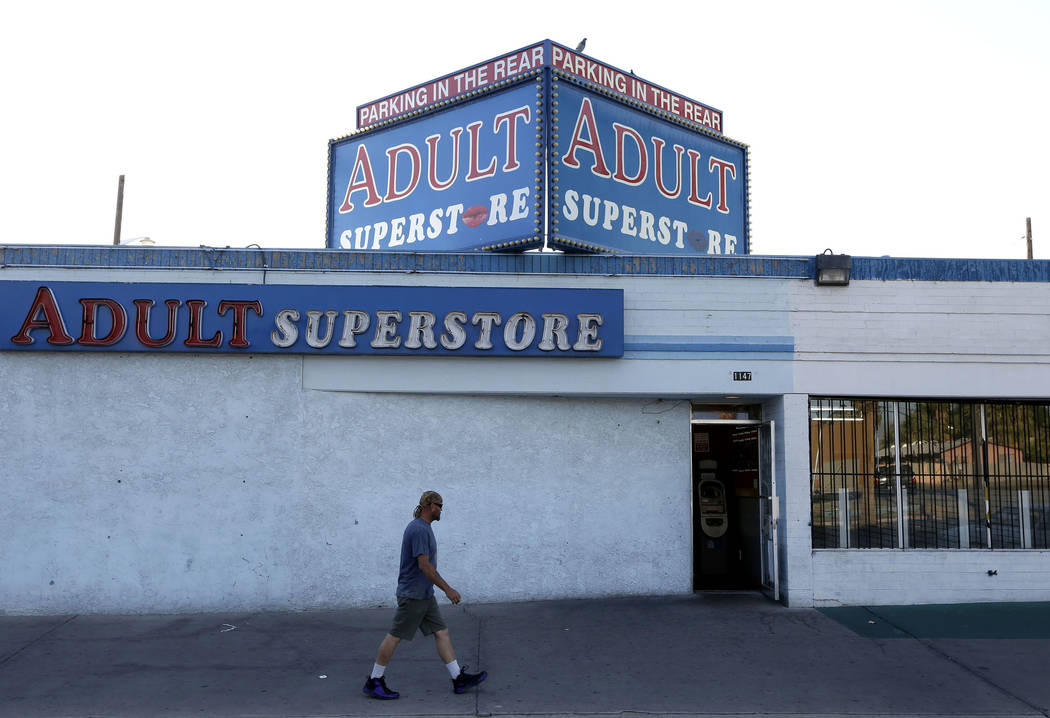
443 641
461 680
376 686
387 648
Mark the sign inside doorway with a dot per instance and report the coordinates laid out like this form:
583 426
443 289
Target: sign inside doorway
701 442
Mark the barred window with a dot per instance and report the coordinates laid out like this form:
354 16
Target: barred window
968 474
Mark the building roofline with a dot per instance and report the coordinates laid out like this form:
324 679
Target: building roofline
330 260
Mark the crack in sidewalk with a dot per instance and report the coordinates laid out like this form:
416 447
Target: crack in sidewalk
6 659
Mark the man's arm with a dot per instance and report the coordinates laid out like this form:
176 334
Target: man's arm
435 578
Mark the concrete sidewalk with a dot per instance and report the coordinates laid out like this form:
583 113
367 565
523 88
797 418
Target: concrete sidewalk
710 655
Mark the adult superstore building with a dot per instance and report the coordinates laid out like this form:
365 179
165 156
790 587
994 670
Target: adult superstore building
203 429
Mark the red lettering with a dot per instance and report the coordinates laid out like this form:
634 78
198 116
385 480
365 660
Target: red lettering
432 141
658 168
510 118
367 182
592 144
475 174
142 312
240 318
392 193
724 169
88 329
622 132
694 182
52 320
196 307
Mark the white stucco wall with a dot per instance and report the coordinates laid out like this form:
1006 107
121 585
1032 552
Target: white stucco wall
146 483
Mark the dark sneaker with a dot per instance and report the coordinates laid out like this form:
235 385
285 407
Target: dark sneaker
376 687
465 681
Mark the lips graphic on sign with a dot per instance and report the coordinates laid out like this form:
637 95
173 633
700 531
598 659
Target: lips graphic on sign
474 216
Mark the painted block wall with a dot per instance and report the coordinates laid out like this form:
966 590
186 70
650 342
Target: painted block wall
922 339
158 483
896 577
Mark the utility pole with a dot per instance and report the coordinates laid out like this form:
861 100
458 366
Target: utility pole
1028 234
120 212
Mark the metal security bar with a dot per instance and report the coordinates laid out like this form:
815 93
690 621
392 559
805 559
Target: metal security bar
1018 471
853 504
929 474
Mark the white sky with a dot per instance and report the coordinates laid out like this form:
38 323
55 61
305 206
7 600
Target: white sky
913 129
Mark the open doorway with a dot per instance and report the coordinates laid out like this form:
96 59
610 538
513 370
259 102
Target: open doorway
727 505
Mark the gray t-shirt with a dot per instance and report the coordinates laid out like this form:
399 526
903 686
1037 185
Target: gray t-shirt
418 539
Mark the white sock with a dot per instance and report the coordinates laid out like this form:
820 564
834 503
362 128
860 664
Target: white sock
378 670
453 669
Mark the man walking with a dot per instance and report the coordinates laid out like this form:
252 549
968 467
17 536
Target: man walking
417 609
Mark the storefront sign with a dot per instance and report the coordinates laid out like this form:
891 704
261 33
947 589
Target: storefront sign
624 180
461 179
287 319
514 64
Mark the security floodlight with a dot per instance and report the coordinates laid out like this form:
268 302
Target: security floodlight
833 269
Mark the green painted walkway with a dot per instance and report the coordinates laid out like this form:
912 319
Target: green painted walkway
955 620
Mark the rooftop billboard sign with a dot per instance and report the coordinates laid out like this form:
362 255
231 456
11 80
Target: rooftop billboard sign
624 180
464 178
540 147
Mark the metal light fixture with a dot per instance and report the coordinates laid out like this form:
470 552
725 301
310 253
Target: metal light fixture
833 269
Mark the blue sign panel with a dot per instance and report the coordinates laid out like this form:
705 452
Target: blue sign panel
626 181
253 319
456 180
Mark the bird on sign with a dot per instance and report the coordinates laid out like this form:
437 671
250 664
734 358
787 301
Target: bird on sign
583 44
